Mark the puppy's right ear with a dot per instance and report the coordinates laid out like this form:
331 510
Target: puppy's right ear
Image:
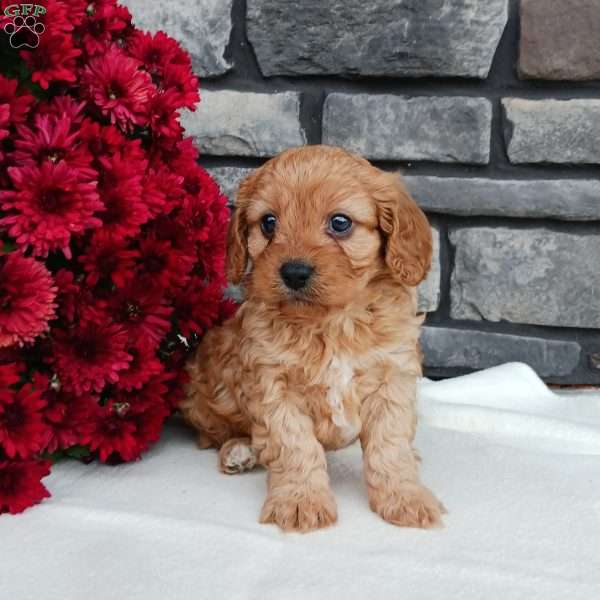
237 235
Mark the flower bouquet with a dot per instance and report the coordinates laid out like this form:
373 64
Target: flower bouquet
112 240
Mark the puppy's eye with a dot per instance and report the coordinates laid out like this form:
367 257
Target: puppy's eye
268 224
340 224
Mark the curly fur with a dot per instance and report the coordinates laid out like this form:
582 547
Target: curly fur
293 375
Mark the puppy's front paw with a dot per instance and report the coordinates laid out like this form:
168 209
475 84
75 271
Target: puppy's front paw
408 504
236 456
299 510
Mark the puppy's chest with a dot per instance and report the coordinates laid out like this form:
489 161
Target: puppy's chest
335 402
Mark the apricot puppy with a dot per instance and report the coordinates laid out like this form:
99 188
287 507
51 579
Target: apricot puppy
325 347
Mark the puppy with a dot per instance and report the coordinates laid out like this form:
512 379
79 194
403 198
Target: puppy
325 348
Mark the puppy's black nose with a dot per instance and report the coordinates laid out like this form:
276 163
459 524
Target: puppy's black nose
295 274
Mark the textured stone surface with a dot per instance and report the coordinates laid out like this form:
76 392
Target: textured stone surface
229 179
202 27
552 131
559 39
429 290
245 123
566 199
526 276
446 347
407 38
444 129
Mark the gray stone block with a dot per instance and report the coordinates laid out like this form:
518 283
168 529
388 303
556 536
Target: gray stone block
245 123
444 129
429 290
229 179
202 27
559 39
449 348
565 199
398 38
552 131
526 276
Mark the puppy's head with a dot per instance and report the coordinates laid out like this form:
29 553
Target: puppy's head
317 224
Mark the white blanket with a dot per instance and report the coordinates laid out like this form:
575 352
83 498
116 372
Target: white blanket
517 467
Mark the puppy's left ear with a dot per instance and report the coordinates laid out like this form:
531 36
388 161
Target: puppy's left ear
407 233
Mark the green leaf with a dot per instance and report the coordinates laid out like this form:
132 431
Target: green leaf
77 452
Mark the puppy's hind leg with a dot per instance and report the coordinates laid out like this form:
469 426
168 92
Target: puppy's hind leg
236 456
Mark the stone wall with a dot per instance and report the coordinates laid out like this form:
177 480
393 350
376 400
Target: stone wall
490 108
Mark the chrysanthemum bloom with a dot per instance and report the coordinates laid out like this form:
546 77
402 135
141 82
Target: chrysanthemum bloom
177 78
104 22
114 84
162 116
108 258
4 122
9 375
197 307
69 418
49 204
142 311
53 60
20 484
19 103
102 140
144 366
120 189
23 432
27 294
64 106
52 138
89 356
146 408
112 434
163 266
157 52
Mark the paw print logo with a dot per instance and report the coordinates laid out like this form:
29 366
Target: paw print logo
24 32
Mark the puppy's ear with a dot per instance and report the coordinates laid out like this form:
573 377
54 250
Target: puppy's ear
407 233
237 235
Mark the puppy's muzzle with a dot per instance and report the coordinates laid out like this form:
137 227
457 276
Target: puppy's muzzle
296 274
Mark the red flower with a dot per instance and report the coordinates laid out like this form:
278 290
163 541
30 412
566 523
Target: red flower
69 418
76 301
142 311
179 79
106 23
23 432
53 60
4 122
89 356
9 375
163 191
107 258
101 140
157 52
27 295
161 265
143 367
111 434
52 139
121 189
49 205
19 104
20 484
197 307
64 106
163 116
116 86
